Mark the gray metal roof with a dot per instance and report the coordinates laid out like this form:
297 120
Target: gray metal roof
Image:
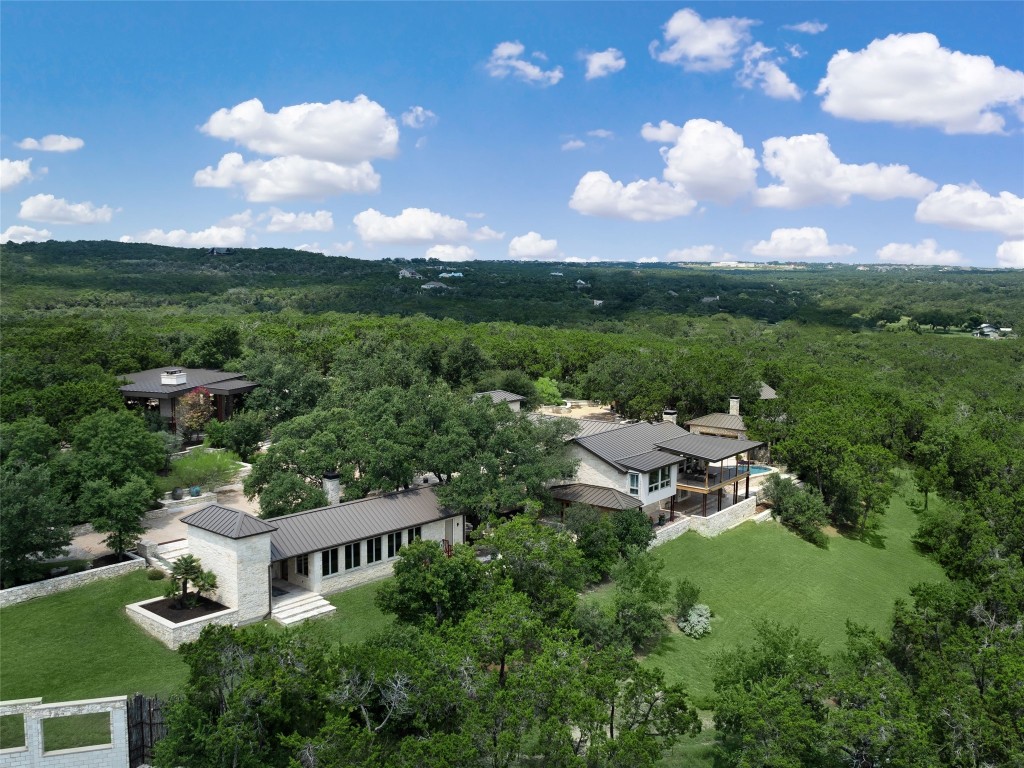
767 393
225 521
719 421
230 387
147 383
645 462
594 427
501 396
630 440
595 496
339 524
707 447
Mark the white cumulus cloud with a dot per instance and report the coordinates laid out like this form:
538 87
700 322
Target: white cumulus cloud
662 133
698 253
572 144
335 249
1010 255
970 207
288 178
55 142
57 210
416 225
925 252
701 46
418 117
597 194
709 159
532 246
22 234
760 68
912 79
800 243
506 59
13 172
601 133
211 237
284 221
343 132
449 252
811 174
604 63
808 27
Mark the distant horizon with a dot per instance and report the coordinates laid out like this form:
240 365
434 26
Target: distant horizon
850 133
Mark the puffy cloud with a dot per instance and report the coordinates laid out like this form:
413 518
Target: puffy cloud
287 178
662 133
22 234
448 252
211 237
1009 255
604 63
55 142
761 69
506 59
698 253
812 174
802 243
283 221
418 117
336 249
57 210
13 172
702 46
925 252
646 200
709 159
912 79
970 207
343 132
796 51
243 219
417 225
601 133
533 246
572 144
808 27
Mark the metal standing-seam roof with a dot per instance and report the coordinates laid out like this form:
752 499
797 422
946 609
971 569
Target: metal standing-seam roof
338 524
707 447
634 441
767 393
595 496
501 396
719 421
147 383
225 521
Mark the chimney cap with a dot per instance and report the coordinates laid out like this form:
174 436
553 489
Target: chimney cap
331 475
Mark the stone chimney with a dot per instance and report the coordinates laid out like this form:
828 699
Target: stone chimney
734 406
669 414
332 487
172 377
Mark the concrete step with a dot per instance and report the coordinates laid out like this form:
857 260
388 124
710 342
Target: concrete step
309 613
290 609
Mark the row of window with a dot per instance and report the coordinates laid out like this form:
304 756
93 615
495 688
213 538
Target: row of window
329 558
656 480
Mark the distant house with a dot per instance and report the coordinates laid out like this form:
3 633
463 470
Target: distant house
557 274
410 274
767 393
219 251
673 294
450 274
158 389
582 284
515 402
709 299
432 285
598 302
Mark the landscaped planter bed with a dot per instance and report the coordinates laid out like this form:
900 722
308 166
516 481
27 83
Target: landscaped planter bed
184 629
168 609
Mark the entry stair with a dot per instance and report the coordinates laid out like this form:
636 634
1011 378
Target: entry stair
292 608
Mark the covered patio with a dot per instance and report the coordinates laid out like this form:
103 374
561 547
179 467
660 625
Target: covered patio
710 473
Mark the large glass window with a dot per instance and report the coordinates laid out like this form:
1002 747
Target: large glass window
373 550
415 533
352 556
329 562
658 479
302 565
394 543
634 483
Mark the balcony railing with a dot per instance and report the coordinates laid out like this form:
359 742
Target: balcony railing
714 476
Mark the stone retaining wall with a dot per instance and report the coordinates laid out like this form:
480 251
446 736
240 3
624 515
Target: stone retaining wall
710 526
170 634
15 595
33 755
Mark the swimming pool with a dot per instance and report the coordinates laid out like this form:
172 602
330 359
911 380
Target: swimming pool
759 469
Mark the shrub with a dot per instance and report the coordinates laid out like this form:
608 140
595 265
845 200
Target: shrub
633 530
697 622
241 433
687 595
802 510
204 467
155 574
595 539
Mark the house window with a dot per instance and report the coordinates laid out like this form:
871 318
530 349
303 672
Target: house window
634 483
351 556
394 543
373 550
415 533
302 565
661 478
329 562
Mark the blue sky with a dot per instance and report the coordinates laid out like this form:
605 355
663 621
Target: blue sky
857 132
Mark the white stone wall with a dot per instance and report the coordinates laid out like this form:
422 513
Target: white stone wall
15 595
216 554
709 526
241 565
594 471
112 755
170 634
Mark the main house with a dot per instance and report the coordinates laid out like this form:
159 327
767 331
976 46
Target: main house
158 389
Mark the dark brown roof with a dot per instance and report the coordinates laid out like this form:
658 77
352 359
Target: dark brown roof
339 524
707 447
719 421
147 383
231 387
595 496
636 441
225 521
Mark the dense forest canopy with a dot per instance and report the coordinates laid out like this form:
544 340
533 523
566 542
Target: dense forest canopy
369 374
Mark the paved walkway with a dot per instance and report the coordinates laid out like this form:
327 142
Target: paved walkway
162 525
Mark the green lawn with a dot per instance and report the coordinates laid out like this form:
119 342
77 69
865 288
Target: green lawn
80 644
763 570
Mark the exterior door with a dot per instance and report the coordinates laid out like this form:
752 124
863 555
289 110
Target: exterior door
449 530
